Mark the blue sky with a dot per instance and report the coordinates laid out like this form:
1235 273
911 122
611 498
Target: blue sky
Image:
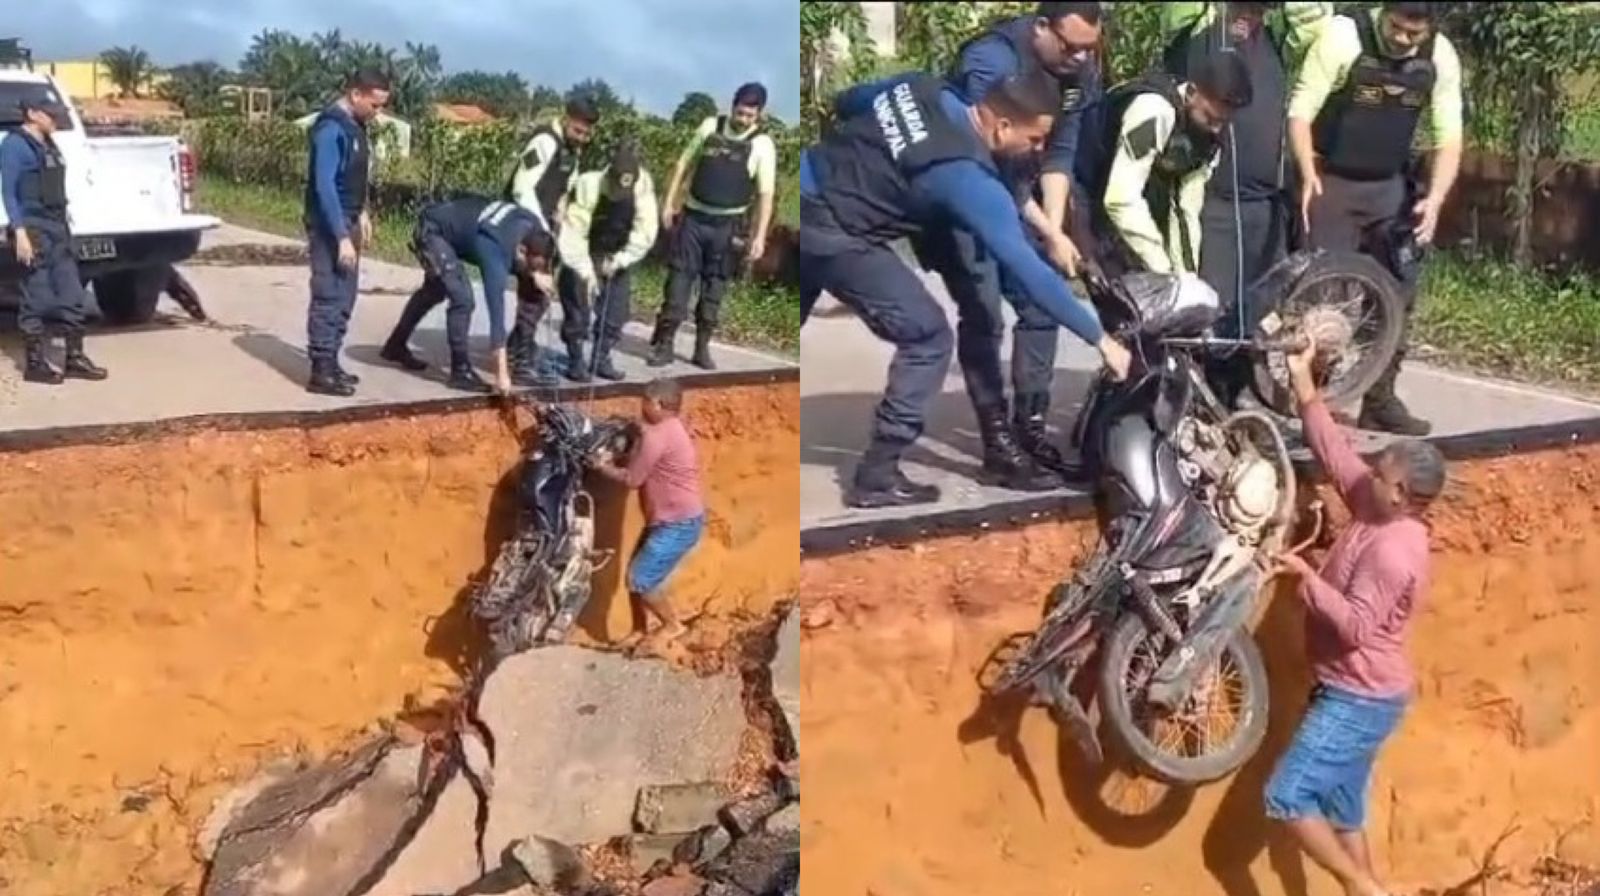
655 52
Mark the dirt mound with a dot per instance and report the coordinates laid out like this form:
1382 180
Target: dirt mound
177 611
914 791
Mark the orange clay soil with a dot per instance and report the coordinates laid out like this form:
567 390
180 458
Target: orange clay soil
174 612
911 790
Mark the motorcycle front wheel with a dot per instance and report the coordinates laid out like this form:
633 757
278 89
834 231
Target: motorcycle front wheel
1220 725
1353 293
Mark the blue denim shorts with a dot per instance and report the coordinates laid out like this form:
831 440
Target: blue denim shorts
1327 768
661 548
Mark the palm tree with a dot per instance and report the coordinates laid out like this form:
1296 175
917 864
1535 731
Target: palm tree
128 68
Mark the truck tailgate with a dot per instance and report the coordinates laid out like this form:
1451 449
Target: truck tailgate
130 185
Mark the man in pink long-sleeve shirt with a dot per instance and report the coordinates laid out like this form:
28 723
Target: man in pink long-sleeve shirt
1358 609
666 470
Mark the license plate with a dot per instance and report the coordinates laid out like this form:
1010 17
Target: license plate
96 249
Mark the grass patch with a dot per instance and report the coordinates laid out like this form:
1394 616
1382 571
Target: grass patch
1490 315
760 315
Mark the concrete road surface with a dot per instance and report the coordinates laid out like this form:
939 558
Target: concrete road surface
251 356
843 369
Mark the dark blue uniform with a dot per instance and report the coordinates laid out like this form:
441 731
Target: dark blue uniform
336 195
904 157
470 230
970 275
34 180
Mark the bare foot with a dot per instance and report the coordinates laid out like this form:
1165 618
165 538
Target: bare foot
1365 888
631 641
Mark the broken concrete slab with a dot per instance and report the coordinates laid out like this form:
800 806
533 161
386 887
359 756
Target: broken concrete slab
322 830
578 732
442 857
703 845
785 820
686 885
785 670
647 850
763 864
548 863
679 808
745 817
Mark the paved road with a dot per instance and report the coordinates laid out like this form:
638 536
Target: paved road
843 368
251 357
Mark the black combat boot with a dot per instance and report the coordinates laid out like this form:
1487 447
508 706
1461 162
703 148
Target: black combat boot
78 365
603 368
464 378
702 349
1004 463
577 367
345 375
401 354
325 380
661 344
1383 411
880 483
1033 437
37 368
395 349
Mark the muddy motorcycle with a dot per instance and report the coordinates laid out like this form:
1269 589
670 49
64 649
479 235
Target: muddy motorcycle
540 582
1193 502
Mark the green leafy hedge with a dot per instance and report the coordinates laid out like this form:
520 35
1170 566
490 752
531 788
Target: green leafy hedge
445 160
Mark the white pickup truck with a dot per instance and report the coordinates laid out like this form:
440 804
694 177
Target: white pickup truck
129 200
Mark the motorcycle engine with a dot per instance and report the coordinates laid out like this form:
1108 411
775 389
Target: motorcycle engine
1249 493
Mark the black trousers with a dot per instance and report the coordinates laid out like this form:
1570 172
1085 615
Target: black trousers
532 304
1263 223
444 279
1341 218
53 297
613 306
701 252
891 299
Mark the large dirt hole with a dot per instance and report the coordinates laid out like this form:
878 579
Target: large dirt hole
177 611
911 793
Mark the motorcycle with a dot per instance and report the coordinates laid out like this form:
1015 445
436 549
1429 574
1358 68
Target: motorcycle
1194 501
541 580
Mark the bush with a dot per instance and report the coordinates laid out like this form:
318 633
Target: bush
445 160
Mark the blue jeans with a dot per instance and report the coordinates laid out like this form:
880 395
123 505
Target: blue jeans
1327 768
662 547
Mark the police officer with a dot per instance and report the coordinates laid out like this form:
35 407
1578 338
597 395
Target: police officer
1060 39
907 153
544 174
1245 221
1352 118
502 239
33 181
337 224
733 162
1155 145
608 226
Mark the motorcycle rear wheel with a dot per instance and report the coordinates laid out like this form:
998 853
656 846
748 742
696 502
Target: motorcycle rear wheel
1127 717
1328 282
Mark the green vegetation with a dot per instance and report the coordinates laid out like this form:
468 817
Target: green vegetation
1495 316
755 314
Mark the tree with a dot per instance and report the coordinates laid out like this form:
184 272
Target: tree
196 87
823 69
504 95
695 108
545 101
128 68
605 98
294 69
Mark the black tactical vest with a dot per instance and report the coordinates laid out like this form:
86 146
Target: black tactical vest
1366 128
611 224
865 166
461 220
722 176
1187 150
552 184
44 191
354 168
